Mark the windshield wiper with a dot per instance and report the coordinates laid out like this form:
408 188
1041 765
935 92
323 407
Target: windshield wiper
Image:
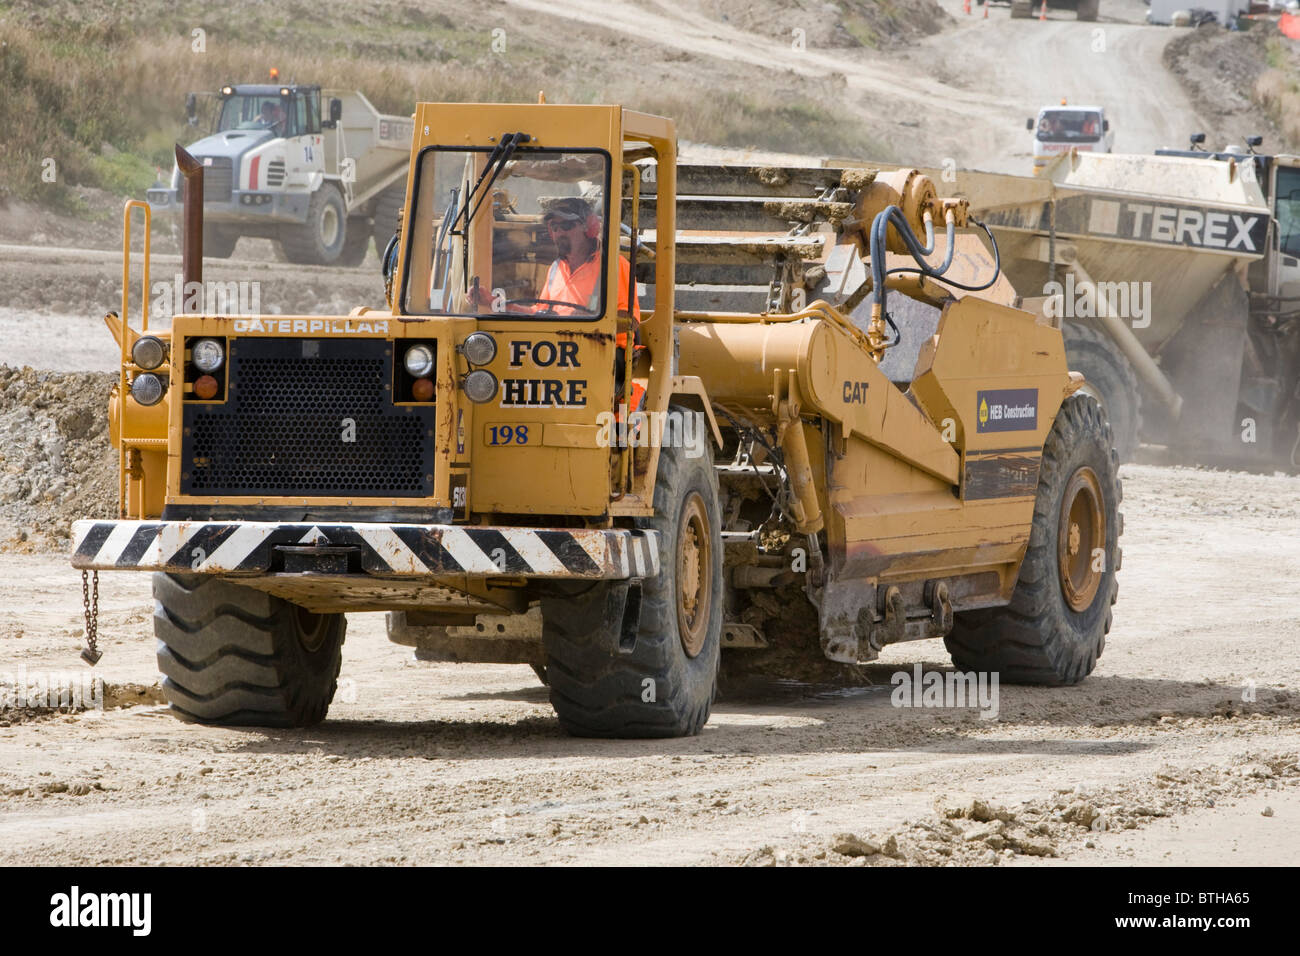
496 162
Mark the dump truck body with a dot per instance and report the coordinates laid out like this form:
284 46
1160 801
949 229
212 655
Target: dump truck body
618 416
1185 263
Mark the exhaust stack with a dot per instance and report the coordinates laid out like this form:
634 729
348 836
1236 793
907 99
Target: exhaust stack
192 237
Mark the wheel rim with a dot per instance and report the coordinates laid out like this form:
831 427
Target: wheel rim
1082 532
329 227
694 569
312 628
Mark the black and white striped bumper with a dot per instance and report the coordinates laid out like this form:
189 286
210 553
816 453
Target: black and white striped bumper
387 550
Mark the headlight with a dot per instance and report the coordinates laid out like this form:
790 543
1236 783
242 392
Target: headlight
207 355
148 352
147 388
479 348
480 385
418 361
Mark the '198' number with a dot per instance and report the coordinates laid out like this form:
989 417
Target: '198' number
508 435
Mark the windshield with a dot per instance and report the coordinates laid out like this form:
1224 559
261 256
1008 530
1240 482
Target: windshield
254 111
508 230
1288 210
1072 126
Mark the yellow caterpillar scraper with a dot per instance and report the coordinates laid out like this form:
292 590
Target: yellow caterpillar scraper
619 416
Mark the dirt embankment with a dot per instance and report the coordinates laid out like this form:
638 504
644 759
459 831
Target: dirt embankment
56 464
1242 83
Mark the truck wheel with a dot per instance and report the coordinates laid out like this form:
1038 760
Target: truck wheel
1088 9
1055 627
319 240
388 206
1111 380
219 243
1021 9
357 243
660 680
238 656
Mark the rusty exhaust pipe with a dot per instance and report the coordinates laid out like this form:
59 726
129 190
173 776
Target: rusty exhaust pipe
192 238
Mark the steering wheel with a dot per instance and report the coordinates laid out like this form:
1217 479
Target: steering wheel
566 305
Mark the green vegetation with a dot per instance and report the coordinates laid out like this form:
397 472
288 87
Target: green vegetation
103 97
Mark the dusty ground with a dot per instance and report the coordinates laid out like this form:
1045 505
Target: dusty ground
1156 758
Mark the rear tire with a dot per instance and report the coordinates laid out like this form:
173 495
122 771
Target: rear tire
234 655
1088 9
664 683
1055 627
388 207
319 240
1111 380
1021 9
356 245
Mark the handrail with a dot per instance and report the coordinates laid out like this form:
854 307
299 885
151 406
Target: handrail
123 448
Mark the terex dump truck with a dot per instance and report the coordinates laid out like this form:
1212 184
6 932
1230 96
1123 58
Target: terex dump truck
1177 278
825 433
319 172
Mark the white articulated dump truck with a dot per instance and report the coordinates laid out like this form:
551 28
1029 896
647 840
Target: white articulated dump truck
321 184
1175 278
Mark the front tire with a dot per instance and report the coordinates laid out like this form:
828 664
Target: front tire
321 239
234 655
1055 627
219 243
660 680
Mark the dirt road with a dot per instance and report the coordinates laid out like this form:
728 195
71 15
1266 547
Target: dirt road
962 94
1156 758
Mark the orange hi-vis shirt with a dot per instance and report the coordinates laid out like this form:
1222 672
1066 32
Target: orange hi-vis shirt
581 286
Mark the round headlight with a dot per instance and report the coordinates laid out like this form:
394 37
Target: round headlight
148 352
479 348
418 361
147 388
207 354
480 385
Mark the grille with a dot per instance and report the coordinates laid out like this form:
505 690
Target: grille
216 179
275 173
308 417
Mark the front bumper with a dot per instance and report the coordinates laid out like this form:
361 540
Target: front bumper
242 206
382 550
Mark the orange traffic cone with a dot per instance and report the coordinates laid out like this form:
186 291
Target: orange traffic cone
1042 14
986 9
966 7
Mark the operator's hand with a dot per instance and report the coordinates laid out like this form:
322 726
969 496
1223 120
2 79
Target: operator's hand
479 297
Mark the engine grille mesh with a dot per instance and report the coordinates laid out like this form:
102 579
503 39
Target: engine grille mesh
310 417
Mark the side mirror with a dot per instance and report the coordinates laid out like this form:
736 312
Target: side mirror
191 110
1105 126
336 114
1029 123
1253 141
1197 139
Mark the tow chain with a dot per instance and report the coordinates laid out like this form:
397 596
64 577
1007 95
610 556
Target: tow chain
90 601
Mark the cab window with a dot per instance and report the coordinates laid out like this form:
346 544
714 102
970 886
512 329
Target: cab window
520 234
1287 203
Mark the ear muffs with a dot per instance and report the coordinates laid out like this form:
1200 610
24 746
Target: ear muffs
593 227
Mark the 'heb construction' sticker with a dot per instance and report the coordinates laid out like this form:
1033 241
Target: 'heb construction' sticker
1007 410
